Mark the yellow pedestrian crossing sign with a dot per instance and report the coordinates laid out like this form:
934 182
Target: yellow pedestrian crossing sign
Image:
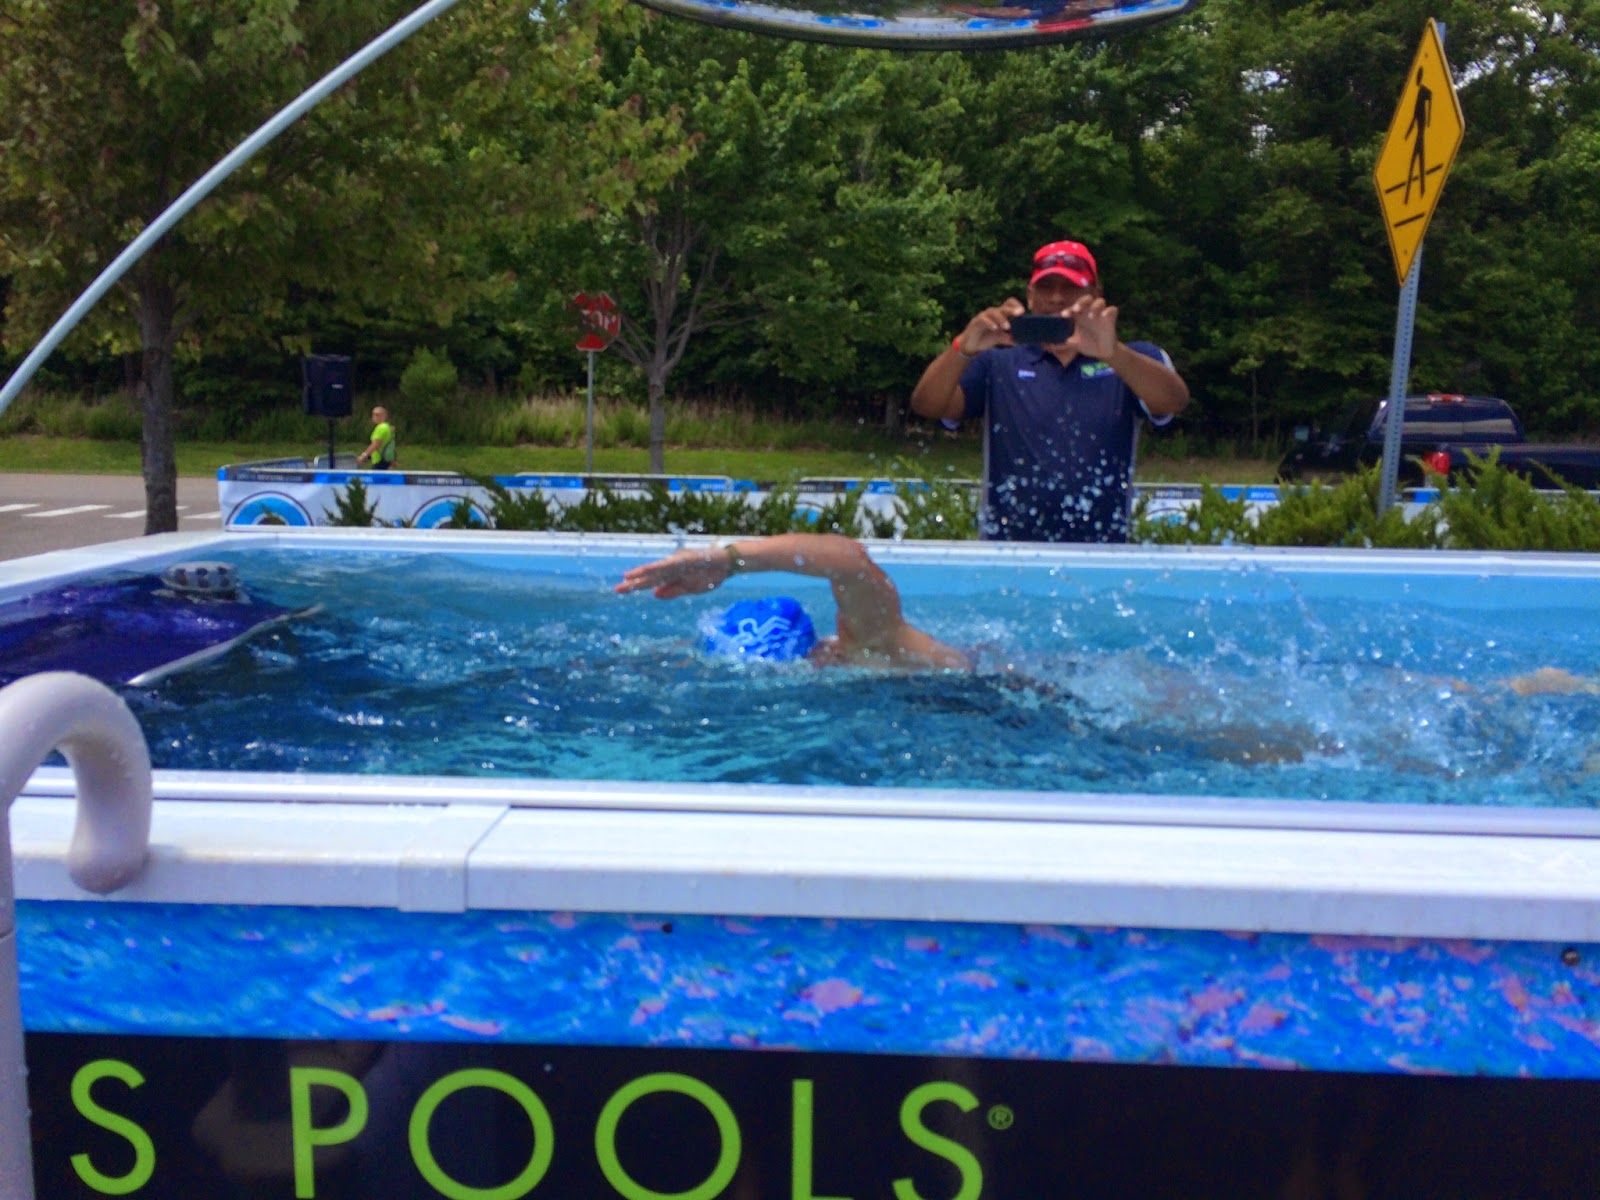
1424 135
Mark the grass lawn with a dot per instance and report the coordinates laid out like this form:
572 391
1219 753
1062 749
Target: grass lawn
931 456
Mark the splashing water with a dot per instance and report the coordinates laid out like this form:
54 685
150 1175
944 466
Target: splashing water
1247 681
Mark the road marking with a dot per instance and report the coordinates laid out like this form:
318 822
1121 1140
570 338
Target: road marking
210 516
67 512
127 516
5 508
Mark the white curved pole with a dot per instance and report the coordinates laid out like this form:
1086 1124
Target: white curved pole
203 186
110 765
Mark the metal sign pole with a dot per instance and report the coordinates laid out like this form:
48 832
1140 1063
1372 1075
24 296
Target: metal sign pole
1399 378
588 423
1423 112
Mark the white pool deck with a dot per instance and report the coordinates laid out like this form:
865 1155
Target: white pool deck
447 845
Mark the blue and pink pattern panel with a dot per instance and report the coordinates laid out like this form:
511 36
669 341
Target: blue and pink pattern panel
1195 998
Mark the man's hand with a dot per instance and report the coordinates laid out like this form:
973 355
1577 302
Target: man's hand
685 573
938 392
1094 327
990 328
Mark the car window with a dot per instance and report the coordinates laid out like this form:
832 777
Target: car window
1359 417
1470 420
1432 426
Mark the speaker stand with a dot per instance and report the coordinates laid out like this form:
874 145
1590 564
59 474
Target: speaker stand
330 444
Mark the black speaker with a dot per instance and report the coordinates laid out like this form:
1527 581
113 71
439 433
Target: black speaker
327 382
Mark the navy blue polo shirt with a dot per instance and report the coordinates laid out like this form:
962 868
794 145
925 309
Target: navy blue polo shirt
1058 443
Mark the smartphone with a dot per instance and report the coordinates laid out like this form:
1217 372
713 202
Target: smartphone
1032 330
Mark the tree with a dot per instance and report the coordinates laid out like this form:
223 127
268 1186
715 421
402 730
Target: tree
782 194
381 196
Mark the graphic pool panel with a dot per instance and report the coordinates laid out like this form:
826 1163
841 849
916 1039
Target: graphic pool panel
1194 998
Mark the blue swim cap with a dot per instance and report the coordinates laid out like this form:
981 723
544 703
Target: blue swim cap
773 629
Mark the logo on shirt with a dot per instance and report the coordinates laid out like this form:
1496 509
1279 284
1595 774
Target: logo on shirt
1024 373
1093 370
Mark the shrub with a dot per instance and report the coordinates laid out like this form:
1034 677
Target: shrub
845 514
1344 515
939 509
623 426
114 419
352 507
429 379
527 510
1215 521
1496 509
465 515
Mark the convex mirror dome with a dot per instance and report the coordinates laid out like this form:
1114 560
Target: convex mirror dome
930 24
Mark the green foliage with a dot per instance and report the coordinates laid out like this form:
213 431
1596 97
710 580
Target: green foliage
793 213
940 509
353 507
1490 508
846 514
659 510
1498 510
429 379
1214 521
1345 514
602 510
527 509
442 149
808 223
465 515
114 418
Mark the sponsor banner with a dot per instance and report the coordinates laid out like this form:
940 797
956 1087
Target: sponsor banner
265 494
251 497
175 1118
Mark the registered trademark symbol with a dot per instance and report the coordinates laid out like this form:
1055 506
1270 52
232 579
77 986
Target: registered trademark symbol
1001 1117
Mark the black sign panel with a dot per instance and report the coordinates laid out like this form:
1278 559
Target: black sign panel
190 1118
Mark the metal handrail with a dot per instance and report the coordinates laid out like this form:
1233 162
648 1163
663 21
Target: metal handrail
106 750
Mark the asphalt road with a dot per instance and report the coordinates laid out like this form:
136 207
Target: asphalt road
39 513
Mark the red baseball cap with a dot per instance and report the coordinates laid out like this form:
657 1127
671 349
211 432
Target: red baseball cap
1071 260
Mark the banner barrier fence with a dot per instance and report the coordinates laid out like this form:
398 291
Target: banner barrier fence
291 492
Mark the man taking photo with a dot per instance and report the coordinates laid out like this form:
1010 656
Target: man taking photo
1061 403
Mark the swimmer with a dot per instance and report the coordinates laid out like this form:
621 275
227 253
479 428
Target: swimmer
872 631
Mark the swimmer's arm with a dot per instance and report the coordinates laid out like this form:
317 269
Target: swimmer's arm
869 605
1551 681
1544 681
868 602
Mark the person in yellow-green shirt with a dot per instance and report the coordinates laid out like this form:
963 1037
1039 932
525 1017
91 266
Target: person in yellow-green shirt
381 450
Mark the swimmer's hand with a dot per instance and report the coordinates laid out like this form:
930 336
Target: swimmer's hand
686 573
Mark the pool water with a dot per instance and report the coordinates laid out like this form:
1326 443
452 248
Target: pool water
1258 680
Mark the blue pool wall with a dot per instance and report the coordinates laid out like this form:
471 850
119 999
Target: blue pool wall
1049 992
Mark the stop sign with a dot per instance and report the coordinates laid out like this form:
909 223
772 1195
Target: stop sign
601 319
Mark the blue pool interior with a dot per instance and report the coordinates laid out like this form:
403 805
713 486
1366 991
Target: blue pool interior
1255 678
